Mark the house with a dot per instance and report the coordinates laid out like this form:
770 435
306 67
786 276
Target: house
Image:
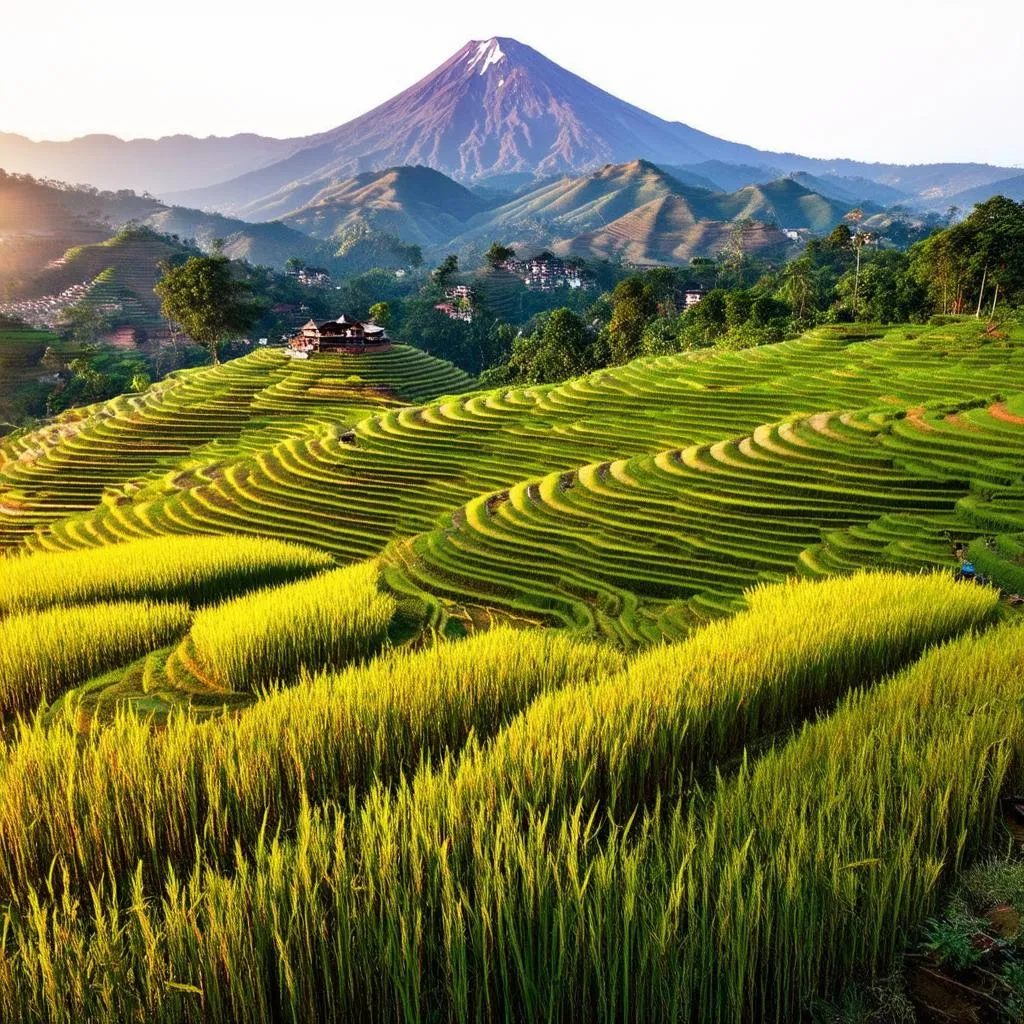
344 335
462 311
460 291
545 272
693 295
314 277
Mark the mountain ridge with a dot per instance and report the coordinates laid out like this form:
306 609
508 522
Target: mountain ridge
496 107
499 107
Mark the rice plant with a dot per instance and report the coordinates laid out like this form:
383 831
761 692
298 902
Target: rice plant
682 710
272 634
101 804
739 904
198 570
42 654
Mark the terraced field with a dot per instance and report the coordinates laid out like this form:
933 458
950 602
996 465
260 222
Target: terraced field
21 372
250 779
634 502
188 424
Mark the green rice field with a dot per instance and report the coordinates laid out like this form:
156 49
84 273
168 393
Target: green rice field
341 690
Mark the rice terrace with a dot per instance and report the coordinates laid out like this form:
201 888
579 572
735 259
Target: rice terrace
511 556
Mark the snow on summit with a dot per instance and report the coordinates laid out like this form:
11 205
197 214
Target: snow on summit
487 53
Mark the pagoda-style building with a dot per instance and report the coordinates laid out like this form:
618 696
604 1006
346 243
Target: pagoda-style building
342 335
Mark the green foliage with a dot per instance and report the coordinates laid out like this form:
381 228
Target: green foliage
559 348
380 313
498 254
84 322
446 270
951 940
208 300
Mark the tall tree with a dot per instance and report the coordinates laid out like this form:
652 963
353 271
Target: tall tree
798 284
855 216
498 254
210 303
447 269
380 313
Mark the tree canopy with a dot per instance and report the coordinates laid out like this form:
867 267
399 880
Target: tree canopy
208 300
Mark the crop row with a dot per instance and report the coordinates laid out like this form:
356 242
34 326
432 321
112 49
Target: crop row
400 469
639 548
71 464
437 901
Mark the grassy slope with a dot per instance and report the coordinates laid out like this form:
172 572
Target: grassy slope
633 502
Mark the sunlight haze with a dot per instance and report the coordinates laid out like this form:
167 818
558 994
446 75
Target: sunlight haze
882 81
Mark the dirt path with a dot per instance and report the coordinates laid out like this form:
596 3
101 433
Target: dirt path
916 418
1000 412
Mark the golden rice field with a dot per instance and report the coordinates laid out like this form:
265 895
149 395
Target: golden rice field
337 690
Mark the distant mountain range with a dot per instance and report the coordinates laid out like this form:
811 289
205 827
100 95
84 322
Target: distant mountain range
634 211
497 109
40 221
640 213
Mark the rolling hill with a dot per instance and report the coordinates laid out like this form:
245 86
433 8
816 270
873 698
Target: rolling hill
785 203
417 204
1012 188
41 220
639 212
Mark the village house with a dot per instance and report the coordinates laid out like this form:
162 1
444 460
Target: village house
462 311
692 296
344 335
314 277
546 272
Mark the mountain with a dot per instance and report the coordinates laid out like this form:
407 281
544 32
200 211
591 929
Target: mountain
40 220
271 244
495 108
417 204
1012 188
851 190
726 177
498 107
154 165
639 212
784 202
665 230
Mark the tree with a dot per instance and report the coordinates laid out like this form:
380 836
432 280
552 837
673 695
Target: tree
840 239
293 264
856 216
205 297
997 227
798 284
380 313
448 268
498 254
83 322
558 349
633 304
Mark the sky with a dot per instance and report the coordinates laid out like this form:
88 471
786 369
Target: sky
907 81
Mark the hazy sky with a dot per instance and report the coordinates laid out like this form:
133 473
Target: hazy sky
891 80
